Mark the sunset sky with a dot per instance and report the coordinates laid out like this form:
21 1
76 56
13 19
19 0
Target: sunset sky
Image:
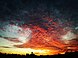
43 25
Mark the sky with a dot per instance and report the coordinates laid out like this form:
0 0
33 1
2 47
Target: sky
16 13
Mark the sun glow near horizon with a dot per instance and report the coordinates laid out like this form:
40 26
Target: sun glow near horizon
24 51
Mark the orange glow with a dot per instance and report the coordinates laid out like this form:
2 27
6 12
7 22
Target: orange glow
42 39
43 42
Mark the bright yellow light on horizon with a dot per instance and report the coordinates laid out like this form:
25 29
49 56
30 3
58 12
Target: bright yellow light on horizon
24 51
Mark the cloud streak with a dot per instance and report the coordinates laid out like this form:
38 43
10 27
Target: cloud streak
12 33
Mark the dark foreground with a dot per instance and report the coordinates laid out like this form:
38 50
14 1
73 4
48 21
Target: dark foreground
66 55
